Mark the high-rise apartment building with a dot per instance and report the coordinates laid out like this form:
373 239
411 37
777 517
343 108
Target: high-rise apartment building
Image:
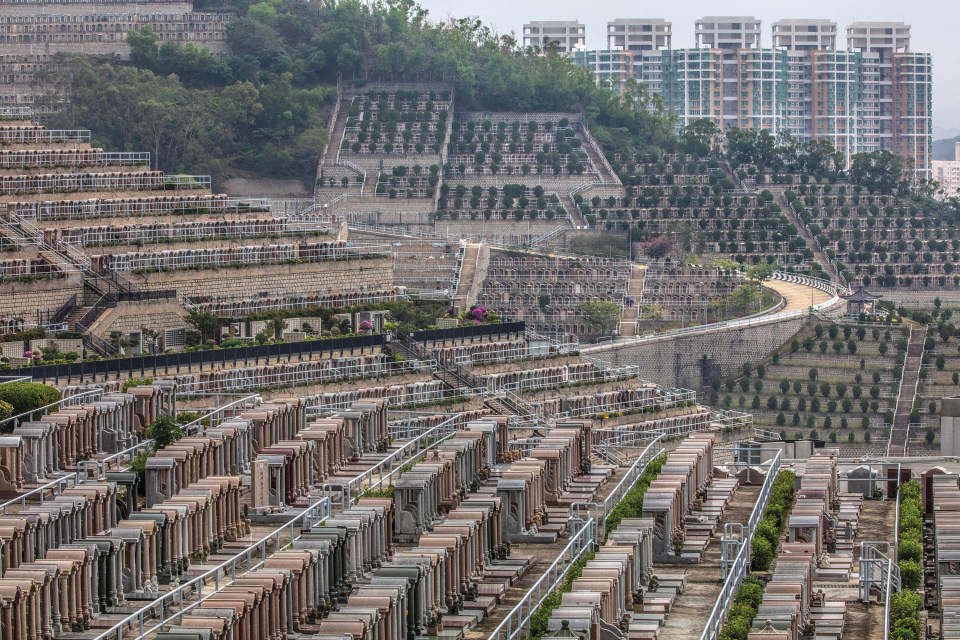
873 95
566 35
947 173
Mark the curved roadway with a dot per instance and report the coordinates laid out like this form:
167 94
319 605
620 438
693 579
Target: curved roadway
799 297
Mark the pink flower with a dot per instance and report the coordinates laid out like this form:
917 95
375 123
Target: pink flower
365 325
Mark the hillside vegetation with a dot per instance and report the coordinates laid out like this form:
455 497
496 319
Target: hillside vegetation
262 108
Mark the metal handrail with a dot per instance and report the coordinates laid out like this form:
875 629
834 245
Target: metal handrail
425 441
518 620
71 479
188 428
741 564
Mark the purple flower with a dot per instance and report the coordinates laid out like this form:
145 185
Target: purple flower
365 325
451 311
478 313
27 354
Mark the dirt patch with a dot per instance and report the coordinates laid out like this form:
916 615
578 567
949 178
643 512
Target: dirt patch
265 187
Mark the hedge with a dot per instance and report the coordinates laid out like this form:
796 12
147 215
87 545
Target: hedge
909 536
771 526
540 620
6 410
632 504
26 396
905 607
745 605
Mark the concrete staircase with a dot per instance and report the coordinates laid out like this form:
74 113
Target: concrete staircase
468 274
631 312
908 391
795 220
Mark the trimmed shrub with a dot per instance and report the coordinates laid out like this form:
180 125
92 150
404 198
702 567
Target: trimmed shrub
767 536
24 397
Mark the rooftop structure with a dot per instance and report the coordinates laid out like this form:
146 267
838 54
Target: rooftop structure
728 33
566 35
646 34
805 35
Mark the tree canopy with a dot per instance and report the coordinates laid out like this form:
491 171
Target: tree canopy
263 106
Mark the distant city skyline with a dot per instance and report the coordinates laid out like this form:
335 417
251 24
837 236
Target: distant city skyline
932 32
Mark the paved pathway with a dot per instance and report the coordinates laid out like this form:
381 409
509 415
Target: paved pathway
799 297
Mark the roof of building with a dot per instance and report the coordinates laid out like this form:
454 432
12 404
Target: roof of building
862 295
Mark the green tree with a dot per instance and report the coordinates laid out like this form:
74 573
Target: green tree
144 48
881 171
206 322
601 315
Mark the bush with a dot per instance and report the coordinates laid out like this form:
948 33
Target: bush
905 608
6 410
26 396
767 536
164 430
746 602
911 574
135 382
909 550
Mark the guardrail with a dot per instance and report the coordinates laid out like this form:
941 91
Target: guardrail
384 470
517 622
741 565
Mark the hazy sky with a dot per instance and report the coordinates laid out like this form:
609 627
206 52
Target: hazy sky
934 25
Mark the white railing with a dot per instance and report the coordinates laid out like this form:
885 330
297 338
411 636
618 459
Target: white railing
27 135
741 565
252 378
550 235
630 478
517 622
382 472
119 461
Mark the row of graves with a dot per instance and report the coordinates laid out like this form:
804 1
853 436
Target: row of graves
792 606
686 502
69 546
942 506
618 595
434 556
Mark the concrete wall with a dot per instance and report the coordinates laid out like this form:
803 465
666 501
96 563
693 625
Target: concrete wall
27 299
692 361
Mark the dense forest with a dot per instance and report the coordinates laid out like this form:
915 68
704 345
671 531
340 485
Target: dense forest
261 108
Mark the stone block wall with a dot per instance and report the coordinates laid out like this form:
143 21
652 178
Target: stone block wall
128 317
693 361
30 300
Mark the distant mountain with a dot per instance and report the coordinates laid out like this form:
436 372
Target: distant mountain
939 133
943 149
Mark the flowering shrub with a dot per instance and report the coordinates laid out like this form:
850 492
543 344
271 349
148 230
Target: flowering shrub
365 325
